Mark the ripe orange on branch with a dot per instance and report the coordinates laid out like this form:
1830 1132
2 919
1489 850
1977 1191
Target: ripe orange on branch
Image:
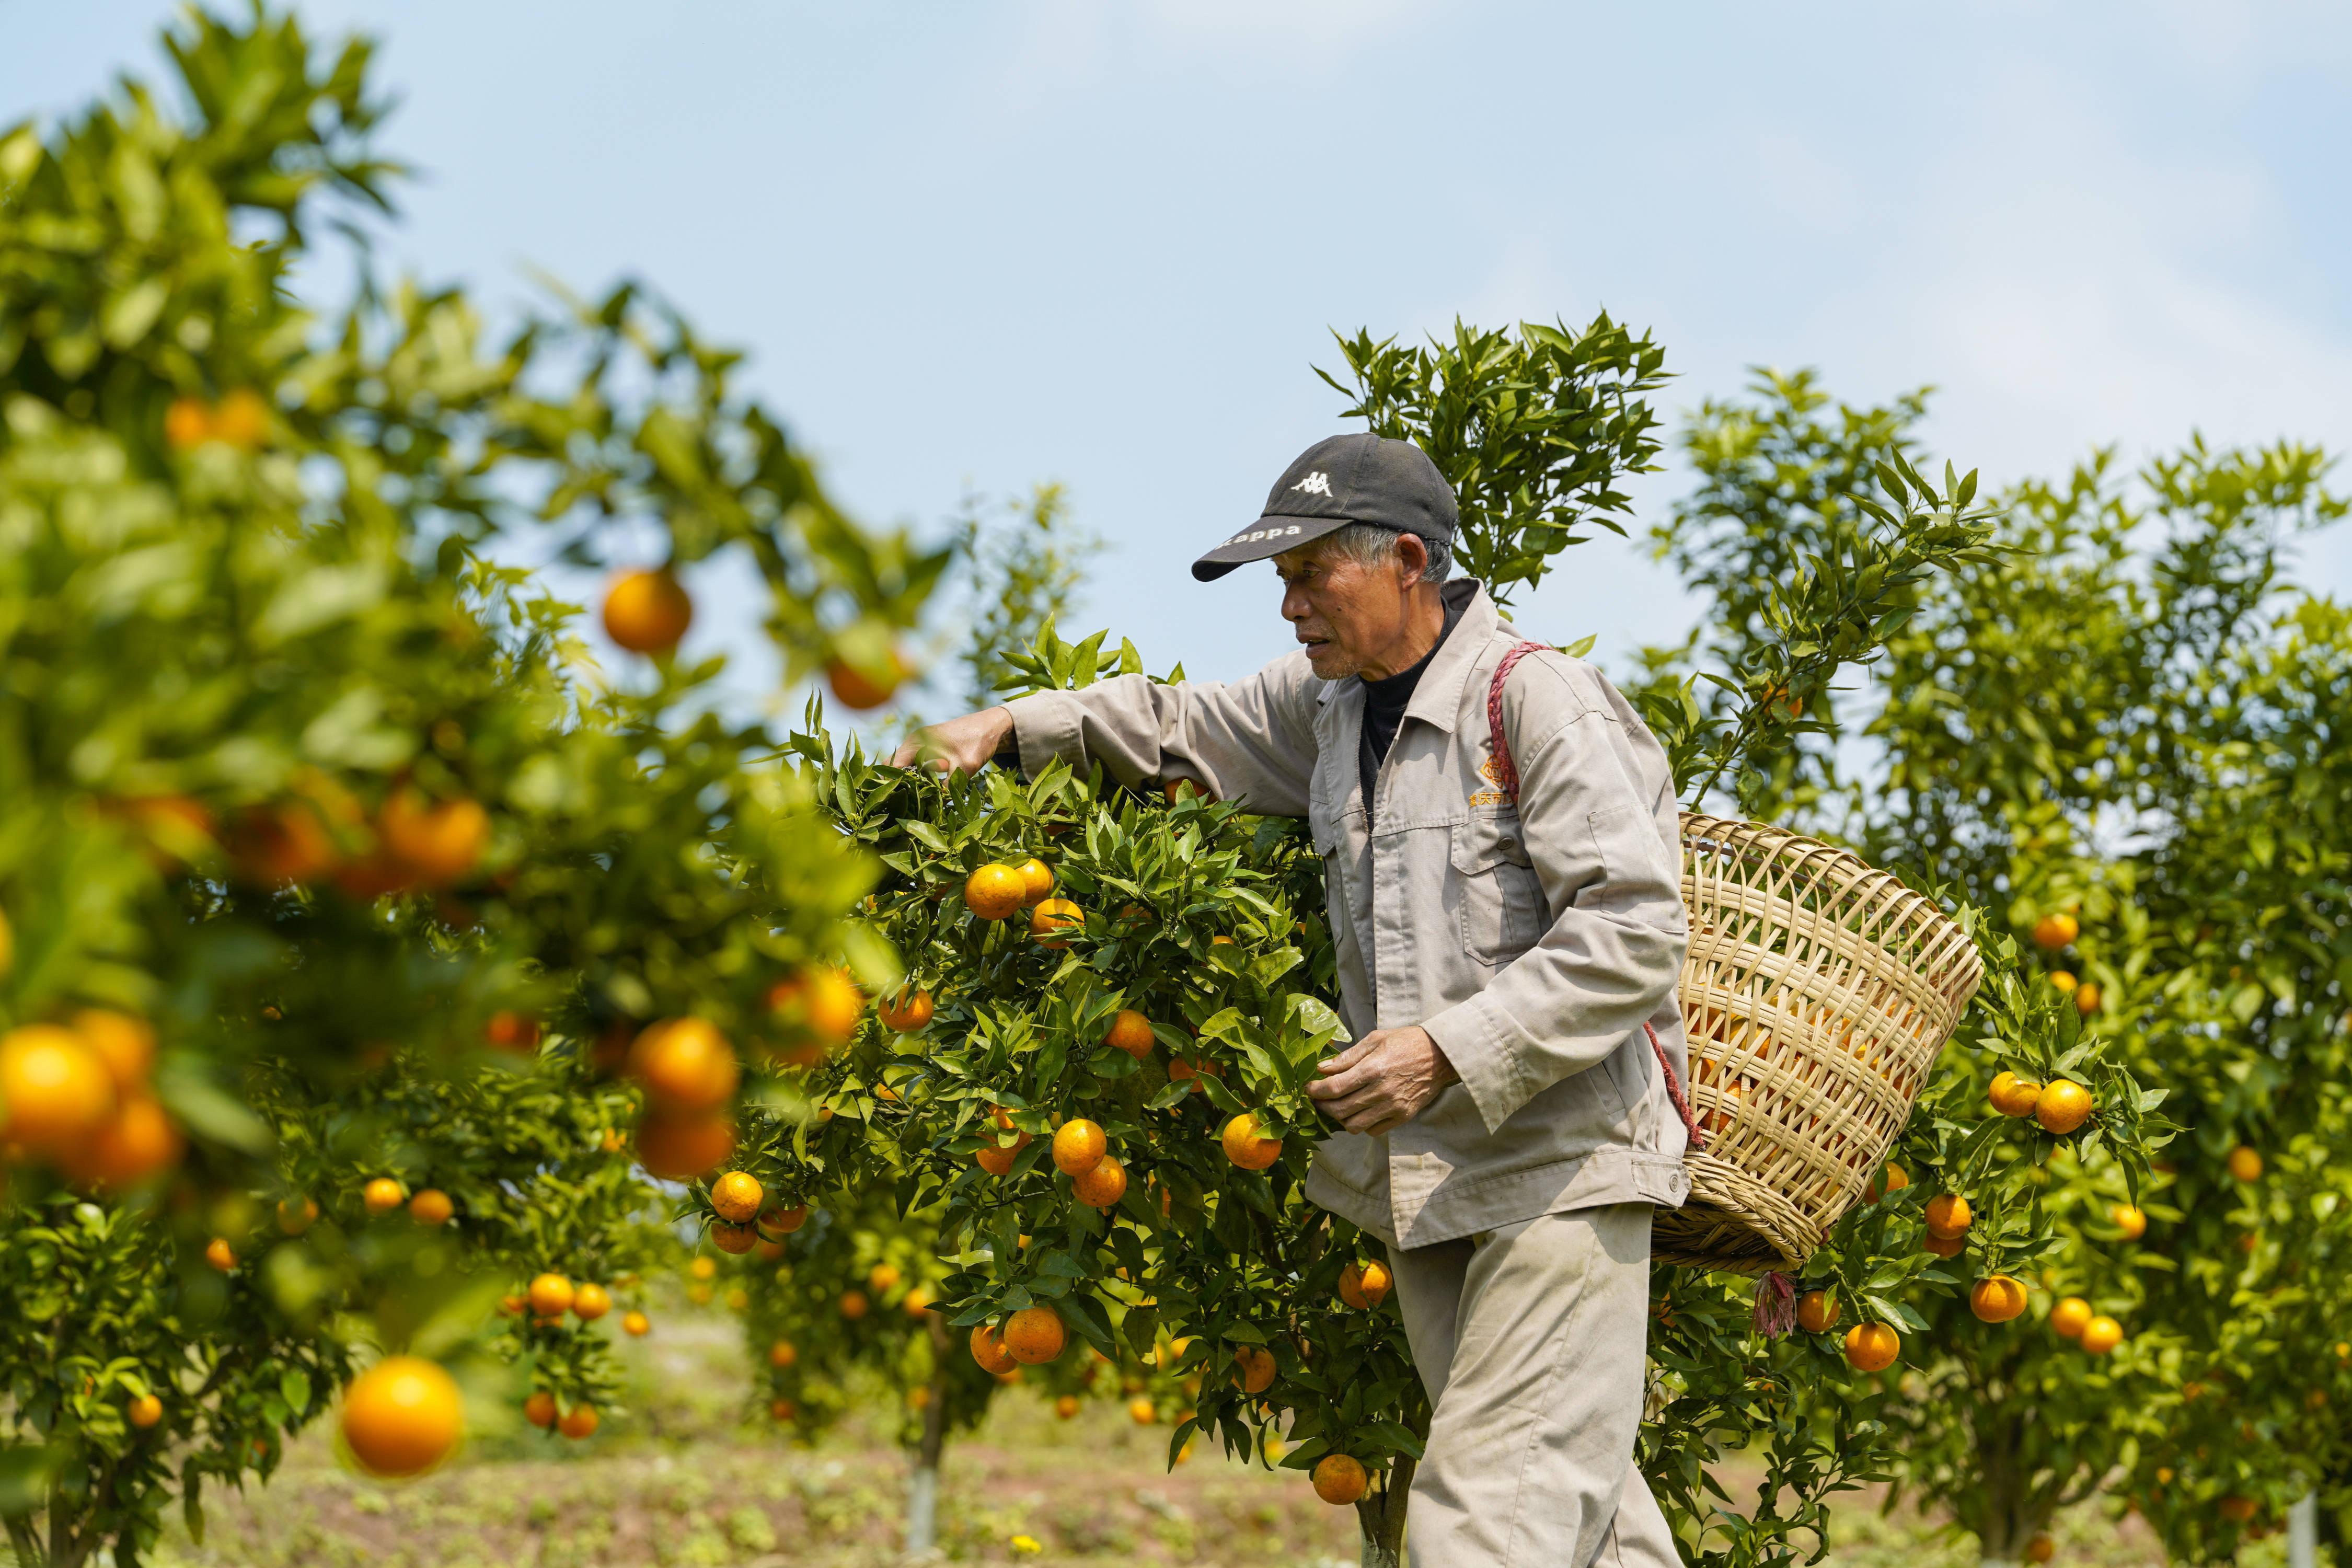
678 1147
2063 1107
1102 1187
1947 1215
431 1206
2101 1334
540 1409
738 1195
1036 881
1872 1347
995 892
646 612
1079 1146
1130 1032
859 689
144 1411
440 841
1892 1179
2012 1095
907 1012
1363 1285
2130 1219
686 1064
382 1195
988 1348
1034 1335
579 1422
2245 1164
2052 932
1248 1147
2069 1317
1254 1369
1339 1479
1818 1312
1051 919
822 1003
591 1301
1996 1299
54 1089
402 1417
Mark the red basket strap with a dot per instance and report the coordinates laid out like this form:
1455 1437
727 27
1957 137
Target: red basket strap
1506 779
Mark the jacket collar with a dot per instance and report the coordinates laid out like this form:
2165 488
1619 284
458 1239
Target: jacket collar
1437 696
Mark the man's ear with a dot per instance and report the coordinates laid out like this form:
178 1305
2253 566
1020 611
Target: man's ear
1412 559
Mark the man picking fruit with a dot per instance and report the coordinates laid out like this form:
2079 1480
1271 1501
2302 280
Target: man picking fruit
1509 928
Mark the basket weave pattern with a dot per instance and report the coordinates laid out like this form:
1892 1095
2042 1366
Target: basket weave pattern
1817 994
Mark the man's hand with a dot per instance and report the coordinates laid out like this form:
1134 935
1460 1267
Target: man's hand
1383 1080
965 743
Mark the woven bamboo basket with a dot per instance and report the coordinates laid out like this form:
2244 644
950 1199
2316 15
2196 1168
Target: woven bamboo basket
1817 994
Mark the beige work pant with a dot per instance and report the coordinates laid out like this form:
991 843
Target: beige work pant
1530 1341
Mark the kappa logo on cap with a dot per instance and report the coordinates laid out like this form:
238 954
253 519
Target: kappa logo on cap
1315 484
1252 538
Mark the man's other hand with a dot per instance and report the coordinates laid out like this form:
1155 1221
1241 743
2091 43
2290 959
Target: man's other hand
1383 1080
965 744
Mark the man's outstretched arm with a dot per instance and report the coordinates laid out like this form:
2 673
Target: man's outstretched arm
963 744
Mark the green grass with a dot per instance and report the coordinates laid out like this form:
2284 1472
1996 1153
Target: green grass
685 1478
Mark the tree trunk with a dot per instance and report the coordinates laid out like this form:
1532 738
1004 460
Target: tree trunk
1380 1516
923 1482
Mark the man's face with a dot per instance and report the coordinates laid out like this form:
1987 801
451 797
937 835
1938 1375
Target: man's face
1347 614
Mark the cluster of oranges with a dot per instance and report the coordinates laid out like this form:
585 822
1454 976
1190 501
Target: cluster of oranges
2052 933
76 1095
2072 1318
749 1217
1082 1153
1030 1337
319 831
380 1195
997 891
2059 1107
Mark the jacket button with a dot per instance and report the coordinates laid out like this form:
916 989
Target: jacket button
1506 843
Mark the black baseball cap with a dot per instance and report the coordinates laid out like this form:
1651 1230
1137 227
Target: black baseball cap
1347 478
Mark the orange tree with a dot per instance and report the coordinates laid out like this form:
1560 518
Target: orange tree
2131 658
310 803
1128 998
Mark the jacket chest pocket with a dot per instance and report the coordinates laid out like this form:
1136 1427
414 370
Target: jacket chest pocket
1502 905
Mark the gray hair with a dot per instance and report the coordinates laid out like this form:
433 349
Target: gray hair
1370 544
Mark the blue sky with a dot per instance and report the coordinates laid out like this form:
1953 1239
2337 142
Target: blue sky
984 244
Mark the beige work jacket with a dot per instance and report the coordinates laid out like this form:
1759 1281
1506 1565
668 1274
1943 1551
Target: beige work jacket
1532 940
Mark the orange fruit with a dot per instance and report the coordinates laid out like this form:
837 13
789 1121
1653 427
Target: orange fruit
989 1349
540 1409
1130 1032
137 1142
994 891
1245 1147
1872 1347
775 1220
2130 1219
646 612
551 1295
382 1195
855 689
2236 1510
1996 1299
124 1044
1036 881
1818 1312
219 1254
402 1416
578 1422
2086 999
1363 1284
2052 932
2068 1318
680 1147
1142 1412
638 1324
2063 1107
1947 1215
1102 1187
1052 917
1945 1245
187 422
686 1064
918 1301
820 1002
1034 1335
591 1301
508 1030
2245 1164
1067 1406
2101 1334
431 1206
2041 1549
782 1353
737 1197
782 1409
854 1305
282 843
441 841
1182 1071
997 1160
144 1411
1078 1146
1339 1479
1893 1179
907 1012
732 1239
2012 1095
1254 1369
882 1279
241 419
54 1089
2062 980
295 1214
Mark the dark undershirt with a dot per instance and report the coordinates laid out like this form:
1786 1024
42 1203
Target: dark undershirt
1385 700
